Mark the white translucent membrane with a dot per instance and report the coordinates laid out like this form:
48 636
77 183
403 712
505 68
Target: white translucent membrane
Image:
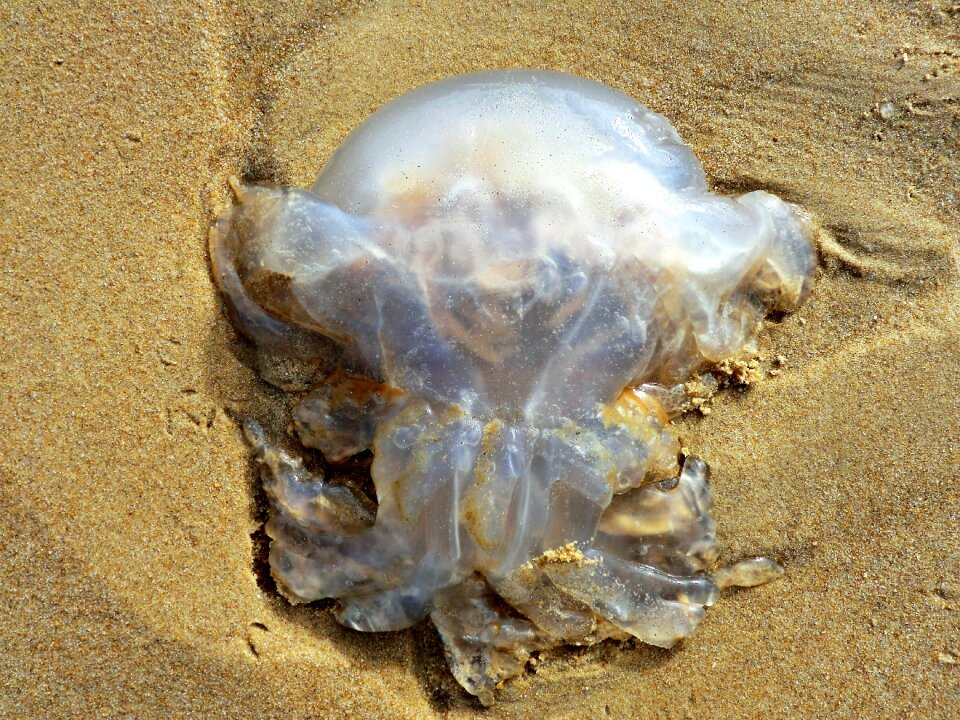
514 266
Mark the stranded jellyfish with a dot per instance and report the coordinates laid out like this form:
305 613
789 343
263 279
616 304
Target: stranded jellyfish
499 284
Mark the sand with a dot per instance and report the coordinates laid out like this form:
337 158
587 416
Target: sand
129 511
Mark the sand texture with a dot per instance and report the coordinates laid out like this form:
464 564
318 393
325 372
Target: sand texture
129 508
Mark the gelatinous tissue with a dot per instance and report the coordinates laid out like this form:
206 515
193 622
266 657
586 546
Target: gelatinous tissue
498 285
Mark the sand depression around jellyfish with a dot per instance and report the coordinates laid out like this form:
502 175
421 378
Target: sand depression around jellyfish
505 277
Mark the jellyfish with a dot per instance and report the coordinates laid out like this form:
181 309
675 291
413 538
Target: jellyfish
505 279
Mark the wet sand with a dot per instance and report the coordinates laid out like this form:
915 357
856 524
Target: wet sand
129 512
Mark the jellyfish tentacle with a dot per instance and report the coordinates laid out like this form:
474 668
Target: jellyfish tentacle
339 416
306 498
649 604
325 542
668 525
485 642
643 571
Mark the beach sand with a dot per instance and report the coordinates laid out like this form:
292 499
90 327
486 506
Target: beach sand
129 506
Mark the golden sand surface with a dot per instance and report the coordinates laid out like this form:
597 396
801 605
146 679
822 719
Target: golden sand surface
128 510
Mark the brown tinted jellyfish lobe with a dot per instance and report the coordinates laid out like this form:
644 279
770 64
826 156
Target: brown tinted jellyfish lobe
505 297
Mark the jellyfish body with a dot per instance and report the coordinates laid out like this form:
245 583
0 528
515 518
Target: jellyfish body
514 268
